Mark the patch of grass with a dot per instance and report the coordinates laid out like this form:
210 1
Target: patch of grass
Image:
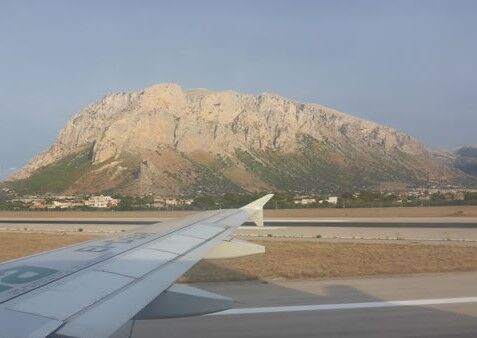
307 169
57 176
319 165
210 179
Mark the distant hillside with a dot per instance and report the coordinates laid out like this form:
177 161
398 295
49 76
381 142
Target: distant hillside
165 140
466 160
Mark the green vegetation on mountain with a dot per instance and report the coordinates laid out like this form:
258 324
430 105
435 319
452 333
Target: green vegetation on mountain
321 166
210 178
466 160
56 177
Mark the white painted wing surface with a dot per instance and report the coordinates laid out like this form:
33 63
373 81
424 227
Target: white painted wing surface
92 289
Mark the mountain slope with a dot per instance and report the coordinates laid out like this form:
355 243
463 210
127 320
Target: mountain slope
466 159
166 140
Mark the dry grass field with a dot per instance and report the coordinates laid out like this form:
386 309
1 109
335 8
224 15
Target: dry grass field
289 259
94 214
450 211
14 245
444 211
307 259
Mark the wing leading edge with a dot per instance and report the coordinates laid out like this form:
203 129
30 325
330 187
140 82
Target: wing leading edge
93 289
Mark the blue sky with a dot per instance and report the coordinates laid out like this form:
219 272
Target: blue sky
410 65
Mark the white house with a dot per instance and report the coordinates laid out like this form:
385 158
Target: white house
101 202
305 201
332 200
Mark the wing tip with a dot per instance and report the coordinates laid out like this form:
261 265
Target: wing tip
255 209
259 203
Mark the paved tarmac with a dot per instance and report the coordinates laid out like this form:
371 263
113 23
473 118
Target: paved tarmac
363 233
437 305
460 229
380 222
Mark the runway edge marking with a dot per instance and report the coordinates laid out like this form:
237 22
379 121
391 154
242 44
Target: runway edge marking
345 306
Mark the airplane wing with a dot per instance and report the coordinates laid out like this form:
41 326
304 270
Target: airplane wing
96 288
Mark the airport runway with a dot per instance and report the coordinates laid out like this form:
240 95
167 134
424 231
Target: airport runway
415 222
418 228
443 305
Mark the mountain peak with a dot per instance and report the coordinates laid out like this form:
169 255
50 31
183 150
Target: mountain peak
159 88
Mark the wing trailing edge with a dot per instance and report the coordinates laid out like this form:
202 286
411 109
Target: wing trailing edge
235 248
184 301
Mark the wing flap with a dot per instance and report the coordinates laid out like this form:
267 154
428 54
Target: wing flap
138 263
183 301
65 298
25 325
203 231
177 244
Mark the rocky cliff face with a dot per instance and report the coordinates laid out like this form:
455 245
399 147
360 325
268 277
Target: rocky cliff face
166 140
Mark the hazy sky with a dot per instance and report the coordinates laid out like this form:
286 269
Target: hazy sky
407 64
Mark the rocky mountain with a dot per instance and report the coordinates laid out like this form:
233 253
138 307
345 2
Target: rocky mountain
466 159
166 140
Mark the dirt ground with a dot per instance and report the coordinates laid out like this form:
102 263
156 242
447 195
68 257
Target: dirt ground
15 245
289 259
450 211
